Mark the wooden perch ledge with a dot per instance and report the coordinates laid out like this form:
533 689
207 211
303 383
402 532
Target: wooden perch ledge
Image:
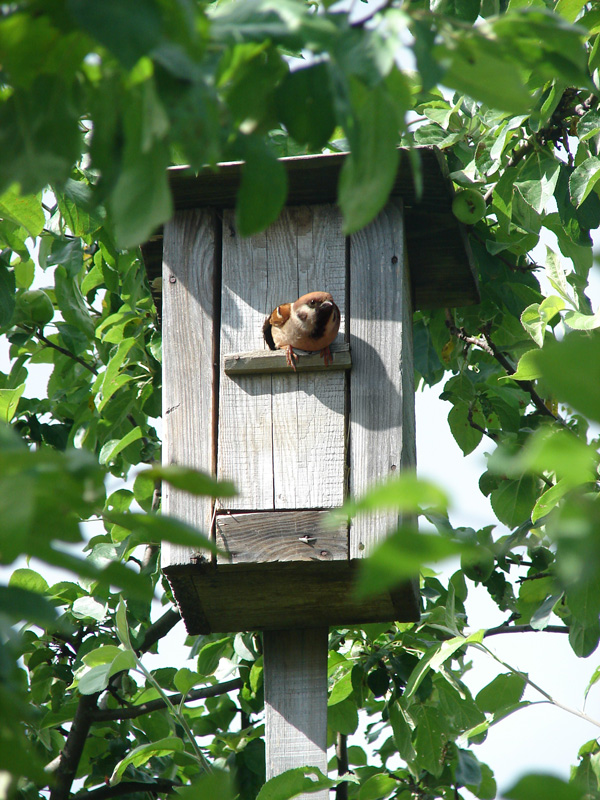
261 362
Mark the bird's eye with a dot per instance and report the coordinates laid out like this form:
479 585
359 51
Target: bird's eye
312 303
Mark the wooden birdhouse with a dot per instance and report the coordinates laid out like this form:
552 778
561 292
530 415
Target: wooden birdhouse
296 444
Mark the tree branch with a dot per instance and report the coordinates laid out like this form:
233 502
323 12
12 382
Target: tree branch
63 350
527 385
341 752
159 786
73 749
131 712
159 629
525 629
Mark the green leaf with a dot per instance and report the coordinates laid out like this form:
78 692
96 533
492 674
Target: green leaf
549 499
468 769
430 740
403 493
191 480
536 317
583 600
535 786
504 691
473 69
88 608
210 655
9 400
513 500
402 732
94 680
583 179
113 447
377 787
18 603
128 28
23 210
185 679
582 322
143 753
7 295
399 557
460 417
141 199
122 626
28 579
341 689
152 528
71 303
217 783
305 105
343 717
527 368
369 172
435 656
263 188
293 782
571 369
537 180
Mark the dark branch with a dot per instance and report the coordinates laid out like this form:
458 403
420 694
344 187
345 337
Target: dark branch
526 629
73 749
527 385
159 629
48 343
341 752
159 786
131 712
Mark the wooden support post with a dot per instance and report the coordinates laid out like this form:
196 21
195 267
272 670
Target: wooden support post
295 663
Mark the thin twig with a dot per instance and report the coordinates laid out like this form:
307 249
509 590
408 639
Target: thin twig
48 343
132 712
525 629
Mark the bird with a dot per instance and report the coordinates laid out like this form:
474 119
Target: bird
311 323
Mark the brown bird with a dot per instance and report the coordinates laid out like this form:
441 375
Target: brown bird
311 323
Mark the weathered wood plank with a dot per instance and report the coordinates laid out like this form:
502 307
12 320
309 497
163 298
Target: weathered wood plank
301 594
295 664
261 418
382 406
279 536
274 361
245 452
308 409
188 272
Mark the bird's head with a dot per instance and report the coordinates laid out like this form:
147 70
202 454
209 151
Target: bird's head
311 305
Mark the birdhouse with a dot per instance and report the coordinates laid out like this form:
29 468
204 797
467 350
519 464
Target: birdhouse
296 443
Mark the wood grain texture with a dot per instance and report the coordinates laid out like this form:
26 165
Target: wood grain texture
308 408
272 361
295 669
279 536
440 258
272 596
382 400
275 429
189 267
245 449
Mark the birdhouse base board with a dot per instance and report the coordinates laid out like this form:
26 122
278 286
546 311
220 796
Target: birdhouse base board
228 598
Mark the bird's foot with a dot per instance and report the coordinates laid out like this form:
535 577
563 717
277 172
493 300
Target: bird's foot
326 356
290 356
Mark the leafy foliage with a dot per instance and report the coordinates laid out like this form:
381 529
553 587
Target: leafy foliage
96 100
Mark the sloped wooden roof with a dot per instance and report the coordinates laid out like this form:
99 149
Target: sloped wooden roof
440 259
